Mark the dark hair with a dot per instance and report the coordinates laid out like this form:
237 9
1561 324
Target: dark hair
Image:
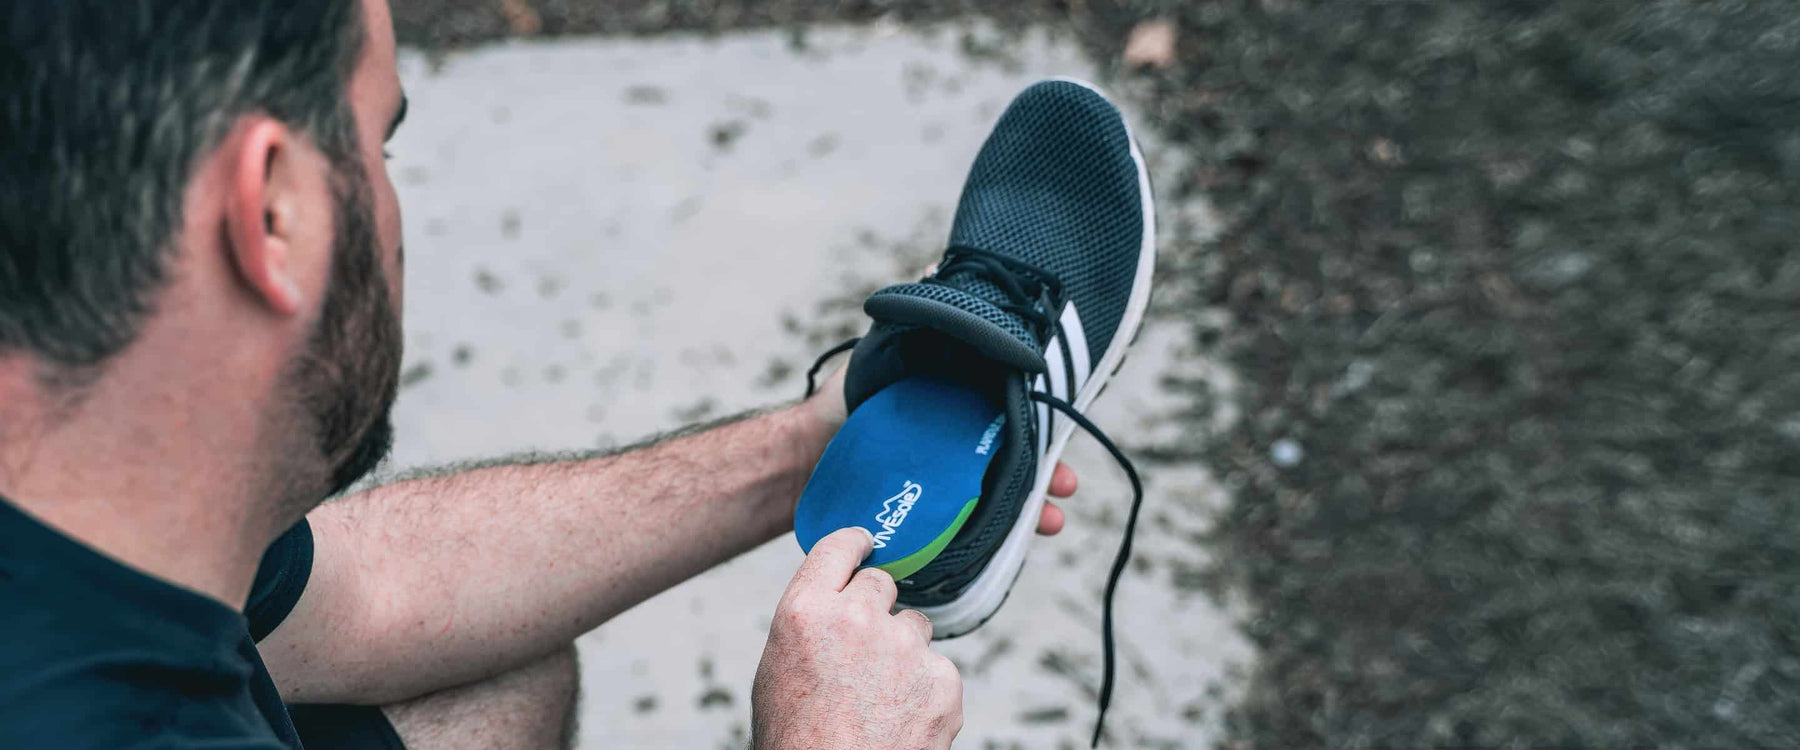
105 108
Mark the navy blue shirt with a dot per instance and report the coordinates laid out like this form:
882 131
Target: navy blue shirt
94 654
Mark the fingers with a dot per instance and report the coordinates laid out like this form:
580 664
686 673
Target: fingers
876 586
1051 520
1062 484
833 560
1062 481
917 621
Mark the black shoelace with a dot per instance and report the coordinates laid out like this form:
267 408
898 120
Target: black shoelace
1013 277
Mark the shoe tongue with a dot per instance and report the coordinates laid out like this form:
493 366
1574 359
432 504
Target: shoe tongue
990 331
932 329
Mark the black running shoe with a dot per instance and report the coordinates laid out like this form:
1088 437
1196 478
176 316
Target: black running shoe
1043 286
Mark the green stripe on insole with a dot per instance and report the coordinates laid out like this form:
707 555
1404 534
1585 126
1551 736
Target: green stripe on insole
911 564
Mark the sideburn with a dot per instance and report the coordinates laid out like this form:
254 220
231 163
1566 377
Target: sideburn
349 376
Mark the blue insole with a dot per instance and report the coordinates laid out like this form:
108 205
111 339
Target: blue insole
906 466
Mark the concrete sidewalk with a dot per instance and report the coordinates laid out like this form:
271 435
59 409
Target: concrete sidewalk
610 238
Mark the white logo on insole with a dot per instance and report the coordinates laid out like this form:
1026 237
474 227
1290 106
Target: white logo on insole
987 438
893 512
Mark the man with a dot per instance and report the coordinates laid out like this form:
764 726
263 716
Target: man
200 283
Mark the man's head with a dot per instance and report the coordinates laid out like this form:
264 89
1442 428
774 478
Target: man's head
193 186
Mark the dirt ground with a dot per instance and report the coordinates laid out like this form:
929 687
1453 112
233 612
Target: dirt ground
1511 292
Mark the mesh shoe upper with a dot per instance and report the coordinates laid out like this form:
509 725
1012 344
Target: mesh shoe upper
1056 186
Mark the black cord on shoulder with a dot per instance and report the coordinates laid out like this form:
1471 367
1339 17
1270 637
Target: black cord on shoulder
1124 554
813 374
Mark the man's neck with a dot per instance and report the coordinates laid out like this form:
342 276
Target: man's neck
166 491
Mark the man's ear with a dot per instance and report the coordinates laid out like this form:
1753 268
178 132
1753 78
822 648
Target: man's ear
260 220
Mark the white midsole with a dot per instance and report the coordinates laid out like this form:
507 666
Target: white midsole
985 595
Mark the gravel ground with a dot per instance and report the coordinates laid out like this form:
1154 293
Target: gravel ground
1513 288
1510 291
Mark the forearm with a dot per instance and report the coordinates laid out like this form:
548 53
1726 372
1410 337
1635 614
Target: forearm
467 574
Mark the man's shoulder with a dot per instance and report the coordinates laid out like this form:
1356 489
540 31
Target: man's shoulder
104 701
100 655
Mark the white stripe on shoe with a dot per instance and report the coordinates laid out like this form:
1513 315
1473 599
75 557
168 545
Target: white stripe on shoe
1056 381
1070 325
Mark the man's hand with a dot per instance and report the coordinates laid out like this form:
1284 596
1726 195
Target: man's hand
840 672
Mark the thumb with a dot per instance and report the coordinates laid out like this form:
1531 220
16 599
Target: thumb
833 560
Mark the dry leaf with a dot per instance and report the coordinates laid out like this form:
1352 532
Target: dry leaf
521 17
1152 43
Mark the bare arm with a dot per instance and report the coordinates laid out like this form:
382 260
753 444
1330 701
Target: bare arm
439 581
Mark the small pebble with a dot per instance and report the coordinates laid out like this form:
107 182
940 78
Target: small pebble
1286 453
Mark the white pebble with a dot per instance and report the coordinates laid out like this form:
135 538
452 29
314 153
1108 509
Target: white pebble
1286 453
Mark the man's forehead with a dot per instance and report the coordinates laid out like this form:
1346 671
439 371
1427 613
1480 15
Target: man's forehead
380 24
377 78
